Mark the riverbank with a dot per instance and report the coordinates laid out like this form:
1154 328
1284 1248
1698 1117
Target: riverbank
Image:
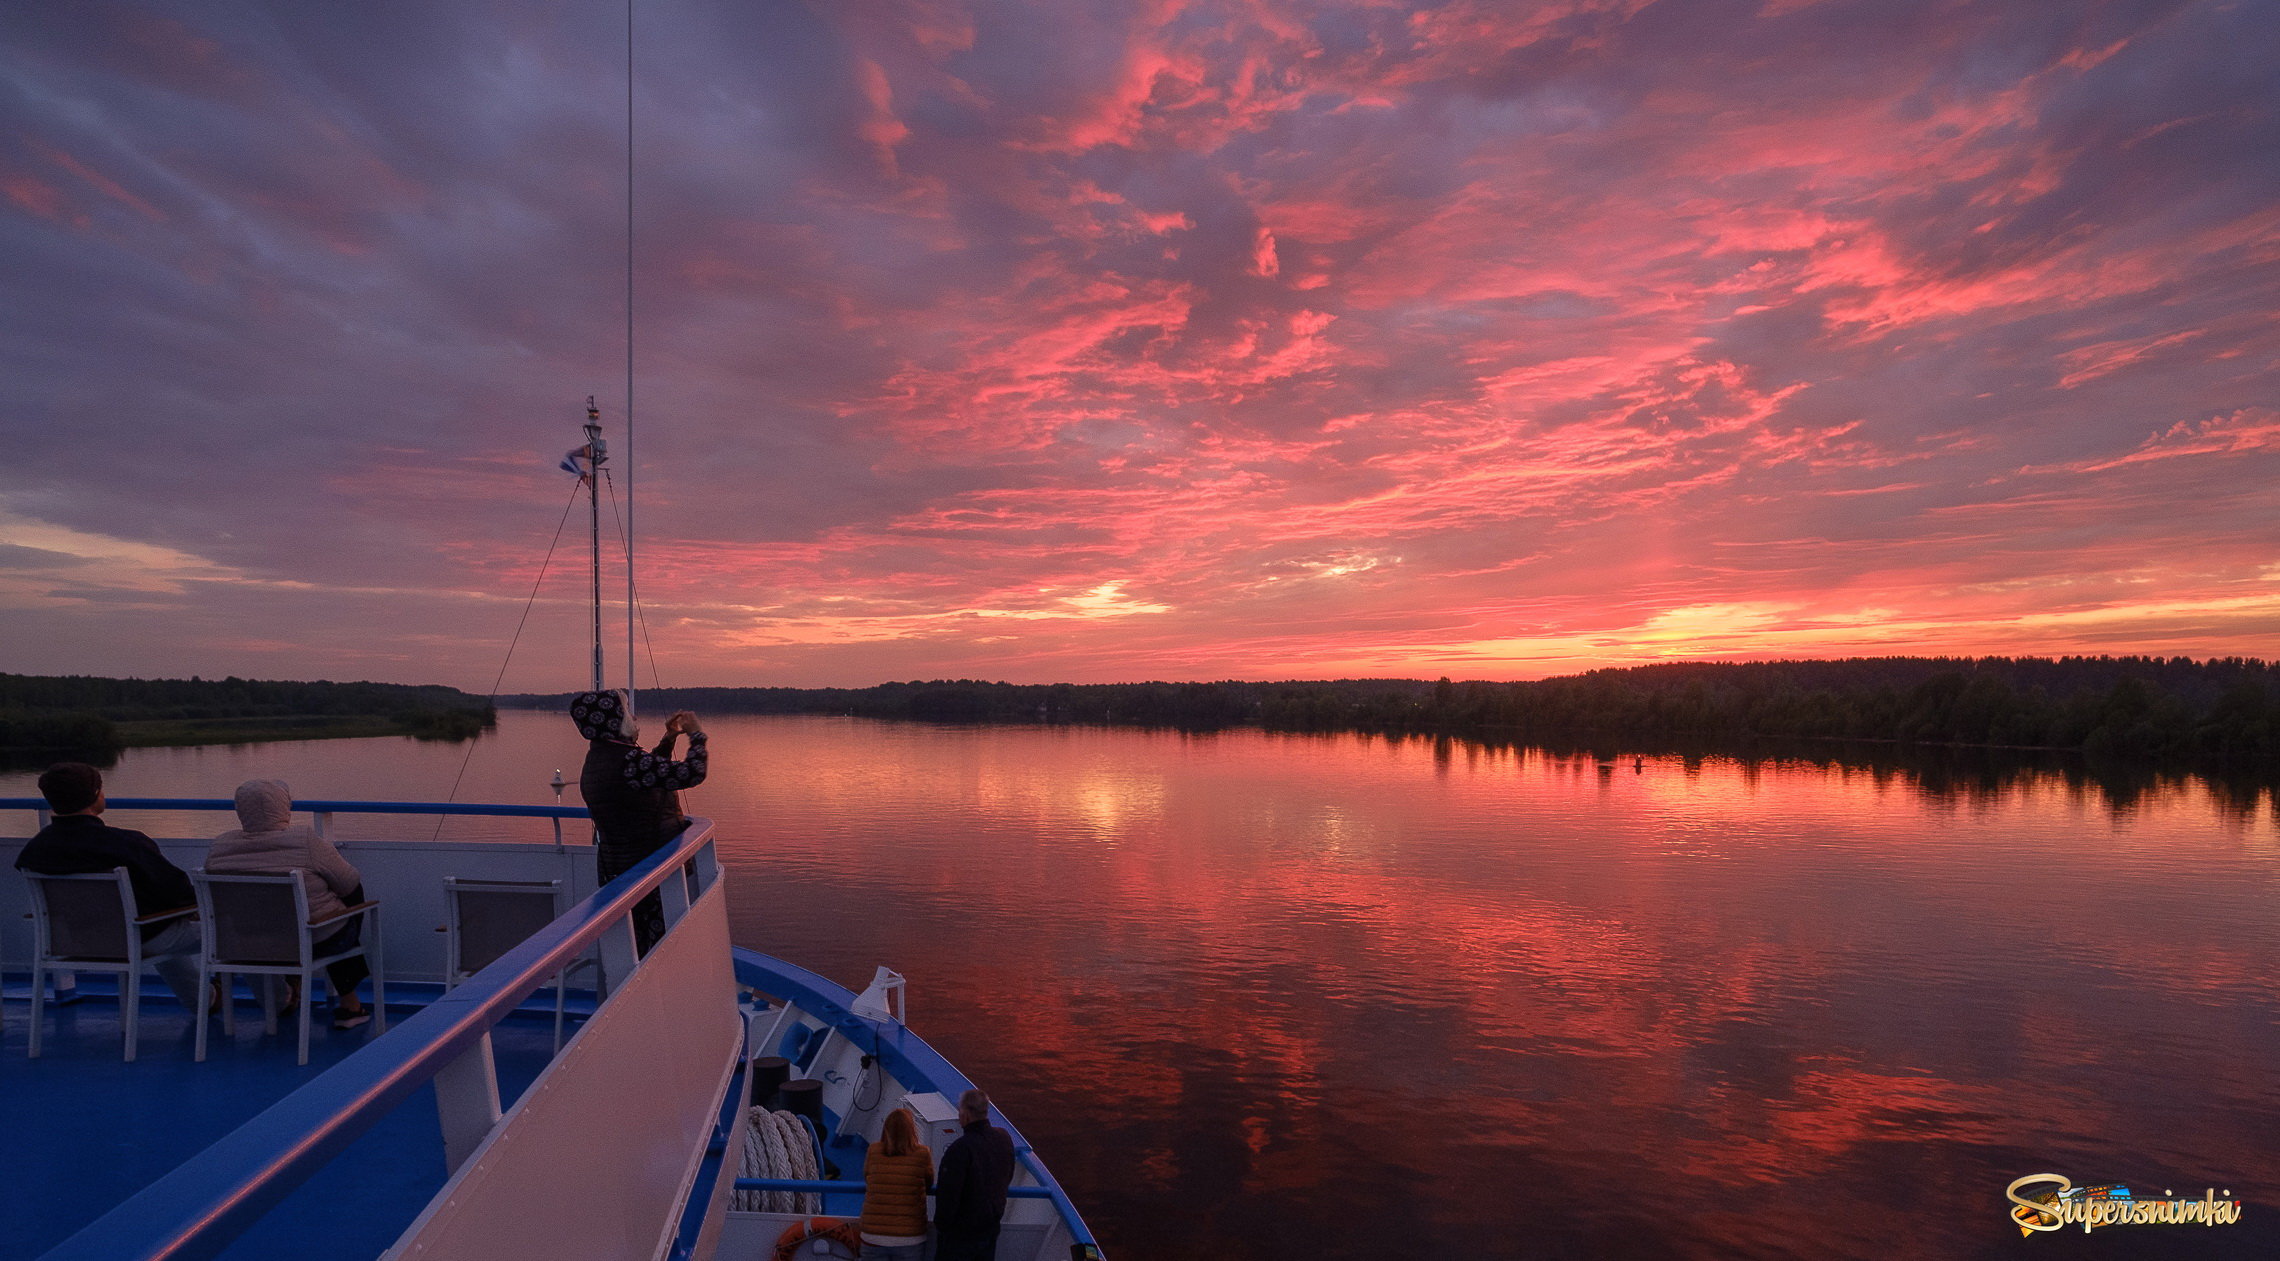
2220 717
94 717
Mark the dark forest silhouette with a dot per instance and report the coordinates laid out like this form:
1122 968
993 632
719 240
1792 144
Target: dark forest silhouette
86 713
2222 715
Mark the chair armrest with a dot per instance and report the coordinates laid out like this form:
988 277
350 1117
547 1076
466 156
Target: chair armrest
157 917
358 909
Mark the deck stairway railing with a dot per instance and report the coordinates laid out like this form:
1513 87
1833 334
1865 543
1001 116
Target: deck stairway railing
613 1200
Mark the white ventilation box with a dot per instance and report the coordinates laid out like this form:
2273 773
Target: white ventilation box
937 1121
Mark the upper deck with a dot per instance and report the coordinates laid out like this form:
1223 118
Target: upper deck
87 1130
461 1131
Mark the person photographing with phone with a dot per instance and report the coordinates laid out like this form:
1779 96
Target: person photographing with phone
634 794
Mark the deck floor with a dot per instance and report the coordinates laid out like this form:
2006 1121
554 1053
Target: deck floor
85 1129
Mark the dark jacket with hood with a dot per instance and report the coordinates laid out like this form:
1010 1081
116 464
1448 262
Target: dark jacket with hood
969 1189
634 794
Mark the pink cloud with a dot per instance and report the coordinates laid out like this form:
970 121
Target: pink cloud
2249 430
33 195
102 183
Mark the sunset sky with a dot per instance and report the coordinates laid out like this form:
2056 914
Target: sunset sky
1120 340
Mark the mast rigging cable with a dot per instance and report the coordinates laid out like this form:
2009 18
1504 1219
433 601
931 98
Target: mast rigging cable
633 599
535 583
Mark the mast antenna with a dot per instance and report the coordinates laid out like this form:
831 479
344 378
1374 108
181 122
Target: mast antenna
629 534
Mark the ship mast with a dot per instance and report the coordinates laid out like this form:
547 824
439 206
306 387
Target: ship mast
597 452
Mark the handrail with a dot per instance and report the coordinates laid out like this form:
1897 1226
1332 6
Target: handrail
322 807
828 1186
199 1208
1051 1186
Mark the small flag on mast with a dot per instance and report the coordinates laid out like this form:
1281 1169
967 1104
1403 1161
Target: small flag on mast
582 460
586 460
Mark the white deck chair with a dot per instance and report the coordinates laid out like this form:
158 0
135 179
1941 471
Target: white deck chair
90 924
491 917
260 925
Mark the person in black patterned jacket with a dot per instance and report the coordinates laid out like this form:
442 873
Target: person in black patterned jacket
634 794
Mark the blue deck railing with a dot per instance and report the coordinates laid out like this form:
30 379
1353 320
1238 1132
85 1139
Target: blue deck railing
196 1210
322 807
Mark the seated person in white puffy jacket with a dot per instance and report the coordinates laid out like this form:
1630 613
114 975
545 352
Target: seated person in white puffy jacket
268 844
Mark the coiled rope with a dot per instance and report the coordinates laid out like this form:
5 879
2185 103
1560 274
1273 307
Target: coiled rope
777 1145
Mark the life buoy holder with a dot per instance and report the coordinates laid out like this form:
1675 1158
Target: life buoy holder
836 1229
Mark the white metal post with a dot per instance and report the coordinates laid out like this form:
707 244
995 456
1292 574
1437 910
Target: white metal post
618 958
467 1101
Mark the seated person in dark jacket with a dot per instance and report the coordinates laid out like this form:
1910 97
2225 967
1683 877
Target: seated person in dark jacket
80 843
634 795
969 1188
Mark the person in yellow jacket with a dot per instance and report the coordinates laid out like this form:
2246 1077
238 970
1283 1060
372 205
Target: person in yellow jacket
897 1174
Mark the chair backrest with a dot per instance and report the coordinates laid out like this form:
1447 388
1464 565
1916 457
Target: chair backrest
491 917
254 919
85 917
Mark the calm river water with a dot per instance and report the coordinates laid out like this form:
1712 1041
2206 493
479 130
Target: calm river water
1267 996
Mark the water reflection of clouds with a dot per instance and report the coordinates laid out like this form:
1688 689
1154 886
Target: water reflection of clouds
1101 805
1316 968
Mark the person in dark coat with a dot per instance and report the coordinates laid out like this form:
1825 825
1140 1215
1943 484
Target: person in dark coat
79 843
634 795
969 1188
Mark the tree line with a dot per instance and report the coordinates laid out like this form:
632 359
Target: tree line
2219 713
95 714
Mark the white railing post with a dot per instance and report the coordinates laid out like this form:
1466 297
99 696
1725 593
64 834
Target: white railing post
618 956
675 891
323 821
467 1102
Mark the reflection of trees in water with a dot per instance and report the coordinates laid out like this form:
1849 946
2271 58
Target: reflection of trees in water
14 761
1961 774
2128 717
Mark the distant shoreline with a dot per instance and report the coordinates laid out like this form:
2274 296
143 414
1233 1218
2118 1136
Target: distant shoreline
2219 715
90 715
189 733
